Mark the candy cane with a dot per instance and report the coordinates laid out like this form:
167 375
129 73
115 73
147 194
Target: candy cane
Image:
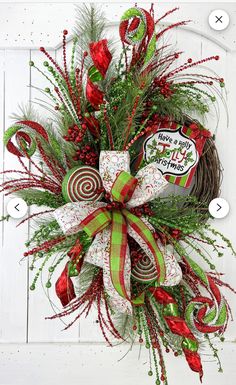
140 32
23 132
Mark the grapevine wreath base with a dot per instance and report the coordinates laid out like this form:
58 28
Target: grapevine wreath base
121 133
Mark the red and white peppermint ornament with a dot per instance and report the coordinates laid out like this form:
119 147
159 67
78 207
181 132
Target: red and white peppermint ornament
82 184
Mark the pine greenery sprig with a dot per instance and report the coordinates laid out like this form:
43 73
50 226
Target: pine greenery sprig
89 27
41 198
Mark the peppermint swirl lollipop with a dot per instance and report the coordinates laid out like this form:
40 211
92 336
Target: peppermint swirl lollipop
144 271
137 27
82 184
207 315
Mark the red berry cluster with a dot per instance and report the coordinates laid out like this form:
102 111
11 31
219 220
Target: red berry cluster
142 210
138 211
135 252
75 134
174 233
164 87
136 255
87 155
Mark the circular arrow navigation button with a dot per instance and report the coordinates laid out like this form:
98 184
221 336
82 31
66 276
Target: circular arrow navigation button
17 208
218 208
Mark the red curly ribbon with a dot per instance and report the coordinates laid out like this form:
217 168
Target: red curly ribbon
93 94
64 285
65 288
101 58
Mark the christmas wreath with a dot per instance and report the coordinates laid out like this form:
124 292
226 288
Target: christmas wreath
120 136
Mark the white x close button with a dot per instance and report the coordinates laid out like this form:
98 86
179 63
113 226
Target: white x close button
218 19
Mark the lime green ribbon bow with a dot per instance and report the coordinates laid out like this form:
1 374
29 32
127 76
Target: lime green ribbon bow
119 217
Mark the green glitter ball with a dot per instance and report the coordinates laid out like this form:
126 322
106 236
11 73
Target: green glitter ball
213 98
47 90
45 63
150 373
212 267
48 285
222 84
51 269
32 287
31 63
147 345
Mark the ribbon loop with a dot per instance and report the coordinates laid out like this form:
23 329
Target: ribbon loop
143 231
97 221
123 187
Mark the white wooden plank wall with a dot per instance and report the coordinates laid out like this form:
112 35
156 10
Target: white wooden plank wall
22 312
